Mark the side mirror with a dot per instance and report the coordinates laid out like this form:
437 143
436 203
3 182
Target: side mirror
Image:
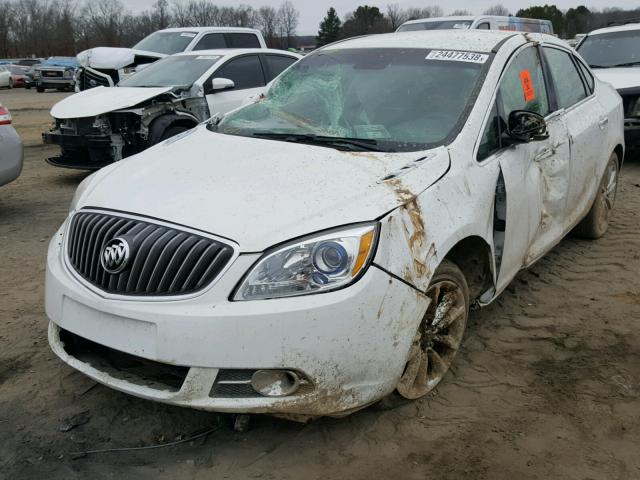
219 84
526 126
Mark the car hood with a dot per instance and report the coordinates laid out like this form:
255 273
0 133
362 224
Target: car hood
623 77
112 57
260 192
99 100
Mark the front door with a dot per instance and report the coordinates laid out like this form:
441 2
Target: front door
248 77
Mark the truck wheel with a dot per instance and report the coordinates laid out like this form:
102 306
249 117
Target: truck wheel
437 339
596 223
40 89
172 132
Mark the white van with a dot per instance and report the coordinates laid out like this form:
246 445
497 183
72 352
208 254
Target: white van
482 22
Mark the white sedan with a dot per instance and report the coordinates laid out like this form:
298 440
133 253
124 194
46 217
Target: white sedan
5 77
318 250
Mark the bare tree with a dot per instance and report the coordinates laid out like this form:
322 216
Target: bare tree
288 18
396 15
498 10
425 12
459 13
267 21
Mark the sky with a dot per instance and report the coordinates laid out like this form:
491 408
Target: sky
312 11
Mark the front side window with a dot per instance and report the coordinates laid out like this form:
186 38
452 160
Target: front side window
246 72
401 99
165 42
211 41
569 87
522 86
180 70
607 50
490 142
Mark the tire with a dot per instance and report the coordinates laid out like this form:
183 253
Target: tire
437 339
172 131
39 89
596 223
10 83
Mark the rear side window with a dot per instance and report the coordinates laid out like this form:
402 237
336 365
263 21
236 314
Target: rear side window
484 26
569 87
243 40
522 87
211 41
246 72
276 64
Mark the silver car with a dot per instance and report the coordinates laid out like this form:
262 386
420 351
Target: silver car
10 149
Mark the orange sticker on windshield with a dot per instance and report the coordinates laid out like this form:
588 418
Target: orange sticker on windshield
527 86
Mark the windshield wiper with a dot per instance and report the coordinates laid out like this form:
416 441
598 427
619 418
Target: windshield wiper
337 142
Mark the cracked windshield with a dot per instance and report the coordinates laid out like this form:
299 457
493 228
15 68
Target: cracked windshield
375 99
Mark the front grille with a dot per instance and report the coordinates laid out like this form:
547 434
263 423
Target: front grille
162 260
52 73
123 366
89 78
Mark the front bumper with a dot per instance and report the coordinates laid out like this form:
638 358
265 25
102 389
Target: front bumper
85 152
350 344
52 82
632 133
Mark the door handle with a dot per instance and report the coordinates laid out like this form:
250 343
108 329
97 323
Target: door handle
603 122
543 153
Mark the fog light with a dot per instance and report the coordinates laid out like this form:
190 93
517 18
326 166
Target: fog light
275 383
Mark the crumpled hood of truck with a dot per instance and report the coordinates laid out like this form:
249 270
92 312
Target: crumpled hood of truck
100 100
260 192
112 57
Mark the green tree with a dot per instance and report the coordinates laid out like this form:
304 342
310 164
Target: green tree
577 20
329 28
365 20
546 12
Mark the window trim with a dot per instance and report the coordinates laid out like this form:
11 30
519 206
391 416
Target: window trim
207 86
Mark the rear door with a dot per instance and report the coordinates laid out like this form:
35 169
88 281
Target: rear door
587 125
249 78
275 64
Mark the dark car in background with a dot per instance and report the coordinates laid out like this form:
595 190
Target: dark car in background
56 72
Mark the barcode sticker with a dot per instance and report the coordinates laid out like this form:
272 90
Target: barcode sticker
455 56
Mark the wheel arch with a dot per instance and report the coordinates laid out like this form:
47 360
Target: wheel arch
160 124
619 150
473 255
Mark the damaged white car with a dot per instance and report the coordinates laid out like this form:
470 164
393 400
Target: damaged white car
318 250
106 66
106 124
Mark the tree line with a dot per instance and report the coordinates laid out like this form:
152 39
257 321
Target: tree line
367 19
65 27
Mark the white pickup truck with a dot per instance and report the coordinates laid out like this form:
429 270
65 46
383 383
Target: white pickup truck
106 66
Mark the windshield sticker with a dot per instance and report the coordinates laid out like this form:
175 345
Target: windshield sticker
188 34
372 132
527 86
454 56
207 57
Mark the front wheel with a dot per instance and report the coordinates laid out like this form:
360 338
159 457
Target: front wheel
10 83
437 339
39 89
596 223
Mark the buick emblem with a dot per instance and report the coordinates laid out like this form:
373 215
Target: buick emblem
115 256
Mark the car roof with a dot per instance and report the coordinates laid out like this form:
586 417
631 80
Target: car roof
454 18
464 40
619 28
207 29
232 52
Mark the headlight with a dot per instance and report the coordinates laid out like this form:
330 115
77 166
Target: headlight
315 264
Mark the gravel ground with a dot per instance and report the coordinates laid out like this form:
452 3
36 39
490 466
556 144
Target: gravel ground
547 384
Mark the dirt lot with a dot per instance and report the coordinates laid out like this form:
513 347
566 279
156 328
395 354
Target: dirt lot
547 384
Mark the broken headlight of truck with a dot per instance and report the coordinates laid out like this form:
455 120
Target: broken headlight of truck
315 264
